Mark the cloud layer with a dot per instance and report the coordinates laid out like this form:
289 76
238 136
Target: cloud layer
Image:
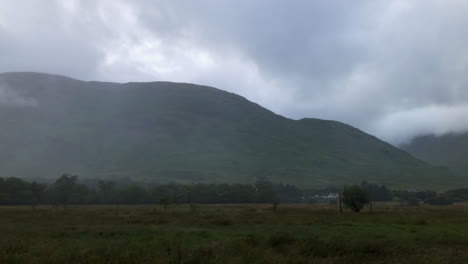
392 68
9 98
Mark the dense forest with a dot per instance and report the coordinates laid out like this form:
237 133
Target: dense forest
68 190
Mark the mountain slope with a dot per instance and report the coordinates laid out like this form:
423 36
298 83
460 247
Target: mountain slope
449 150
164 131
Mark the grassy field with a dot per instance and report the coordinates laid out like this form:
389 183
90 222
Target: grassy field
233 234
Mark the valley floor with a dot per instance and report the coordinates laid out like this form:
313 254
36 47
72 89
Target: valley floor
233 234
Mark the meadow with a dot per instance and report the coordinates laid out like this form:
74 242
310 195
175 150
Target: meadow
233 234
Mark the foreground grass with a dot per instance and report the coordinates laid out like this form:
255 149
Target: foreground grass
233 234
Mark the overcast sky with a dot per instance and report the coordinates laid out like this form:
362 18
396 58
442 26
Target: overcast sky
394 69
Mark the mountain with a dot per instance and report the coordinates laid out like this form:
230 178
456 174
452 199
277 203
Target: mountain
178 132
448 150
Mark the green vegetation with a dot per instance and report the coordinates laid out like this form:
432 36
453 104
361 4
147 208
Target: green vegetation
448 150
233 234
355 198
183 133
67 190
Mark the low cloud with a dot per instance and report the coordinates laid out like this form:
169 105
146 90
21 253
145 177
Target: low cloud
9 97
398 127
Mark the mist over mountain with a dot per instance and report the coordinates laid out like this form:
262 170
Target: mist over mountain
178 132
446 150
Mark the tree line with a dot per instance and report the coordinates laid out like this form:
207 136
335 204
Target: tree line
67 190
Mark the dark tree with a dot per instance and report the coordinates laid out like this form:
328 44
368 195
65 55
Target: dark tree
15 191
107 192
165 202
38 192
376 192
264 191
3 195
288 193
355 198
65 189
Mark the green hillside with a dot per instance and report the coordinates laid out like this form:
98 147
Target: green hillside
449 150
179 132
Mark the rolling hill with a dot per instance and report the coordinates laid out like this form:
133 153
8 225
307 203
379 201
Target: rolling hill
178 132
448 150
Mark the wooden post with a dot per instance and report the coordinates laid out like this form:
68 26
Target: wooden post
339 201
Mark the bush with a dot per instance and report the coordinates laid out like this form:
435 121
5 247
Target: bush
355 198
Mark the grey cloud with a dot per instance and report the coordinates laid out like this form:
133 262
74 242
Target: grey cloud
37 36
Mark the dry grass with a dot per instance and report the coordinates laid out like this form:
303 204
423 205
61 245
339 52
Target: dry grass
233 234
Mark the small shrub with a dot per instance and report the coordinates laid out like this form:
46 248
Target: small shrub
280 239
421 221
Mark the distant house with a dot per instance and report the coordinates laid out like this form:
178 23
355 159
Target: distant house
327 196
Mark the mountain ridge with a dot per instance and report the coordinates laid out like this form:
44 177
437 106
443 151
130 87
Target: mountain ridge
163 131
449 150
